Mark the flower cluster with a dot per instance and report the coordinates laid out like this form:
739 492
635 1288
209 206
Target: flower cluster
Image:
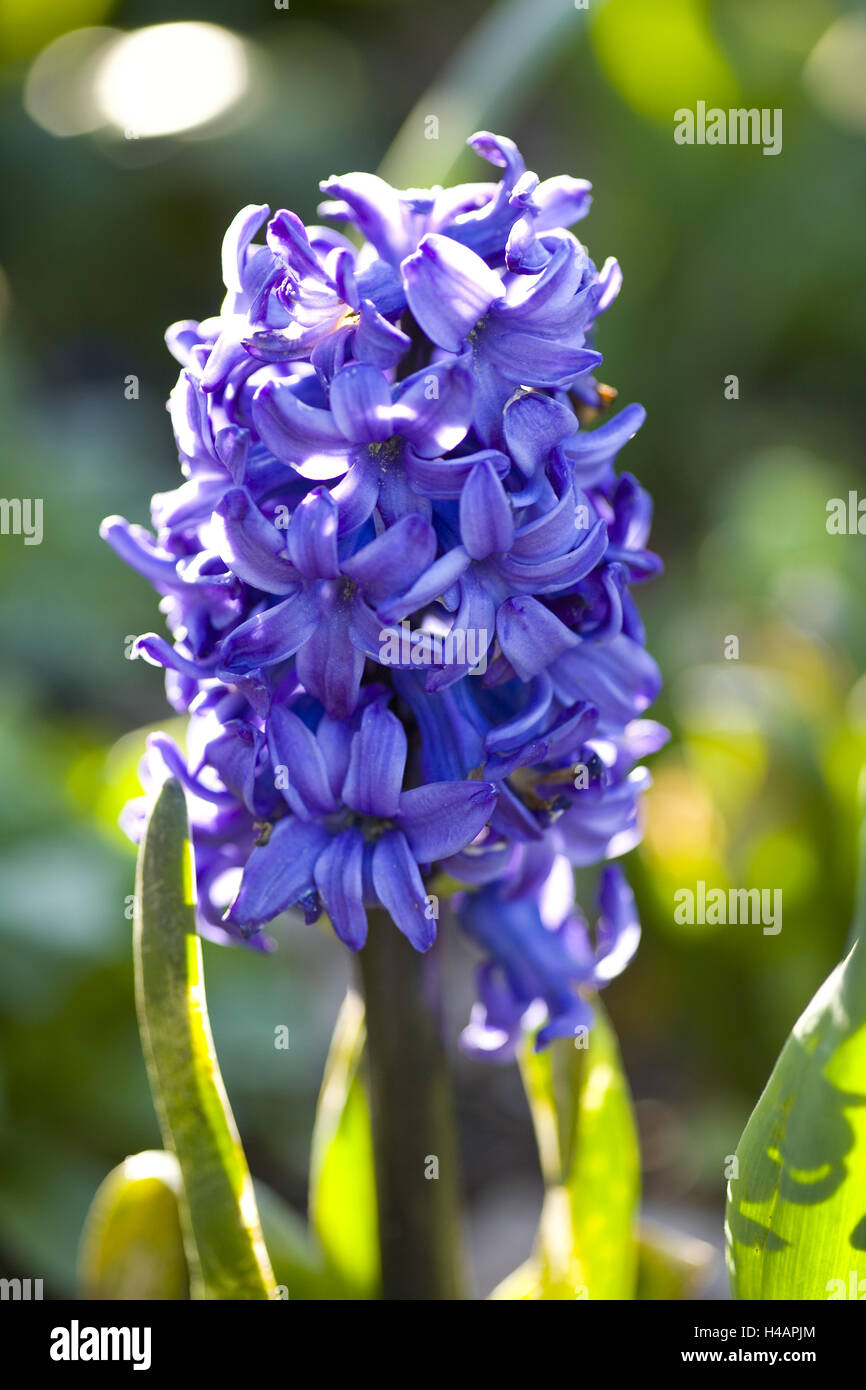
397 578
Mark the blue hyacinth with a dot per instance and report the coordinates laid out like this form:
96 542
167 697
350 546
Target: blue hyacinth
397 579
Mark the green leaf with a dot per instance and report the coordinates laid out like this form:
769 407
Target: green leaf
796 1214
343 1208
225 1249
132 1244
588 1151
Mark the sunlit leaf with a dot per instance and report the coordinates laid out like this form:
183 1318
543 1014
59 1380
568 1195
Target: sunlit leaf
581 1109
225 1250
343 1208
796 1215
132 1245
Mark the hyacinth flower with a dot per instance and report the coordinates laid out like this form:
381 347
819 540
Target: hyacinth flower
406 432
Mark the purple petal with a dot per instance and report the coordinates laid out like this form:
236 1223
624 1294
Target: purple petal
529 360
376 763
394 560
295 748
591 451
443 479
361 403
444 817
513 733
533 425
328 664
356 495
251 546
378 341
433 408
312 536
287 238
335 740
439 577
531 636
291 429
137 547
486 520
270 636
236 241
619 677
618 931
561 201
562 572
278 873
340 881
400 889
374 206
449 288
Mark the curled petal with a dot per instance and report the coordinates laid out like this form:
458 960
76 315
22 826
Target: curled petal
527 359
592 451
441 479
287 238
533 426
270 636
251 546
449 288
236 241
291 429
618 931
378 341
434 582
328 664
433 408
531 636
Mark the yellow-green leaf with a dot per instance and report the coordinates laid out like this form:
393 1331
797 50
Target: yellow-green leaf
589 1157
343 1207
796 1215
132 1244
225 1249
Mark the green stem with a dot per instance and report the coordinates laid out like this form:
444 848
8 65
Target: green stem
413 1129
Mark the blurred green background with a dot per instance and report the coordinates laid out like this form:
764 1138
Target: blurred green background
735 263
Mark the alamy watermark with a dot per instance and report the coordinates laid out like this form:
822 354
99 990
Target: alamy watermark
22 516
21 1290
401 646
738 126
716 907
